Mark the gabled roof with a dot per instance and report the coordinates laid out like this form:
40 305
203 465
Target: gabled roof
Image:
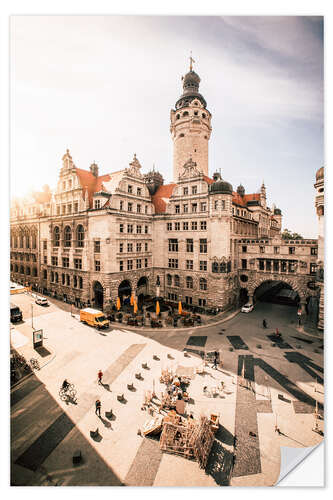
91 183
243 200
161 197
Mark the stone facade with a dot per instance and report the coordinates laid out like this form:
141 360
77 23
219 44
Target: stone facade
103 236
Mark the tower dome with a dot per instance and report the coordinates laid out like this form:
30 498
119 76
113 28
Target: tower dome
241 190
219 186
191 83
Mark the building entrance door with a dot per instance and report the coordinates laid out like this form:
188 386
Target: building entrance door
98 295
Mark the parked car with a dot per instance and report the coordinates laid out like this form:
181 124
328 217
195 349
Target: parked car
15 313
42 301
247 308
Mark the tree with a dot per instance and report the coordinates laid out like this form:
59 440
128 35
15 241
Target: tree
288 235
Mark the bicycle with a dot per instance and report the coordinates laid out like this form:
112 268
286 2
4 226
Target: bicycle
68 393
34 364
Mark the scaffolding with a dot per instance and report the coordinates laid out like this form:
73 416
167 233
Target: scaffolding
190 439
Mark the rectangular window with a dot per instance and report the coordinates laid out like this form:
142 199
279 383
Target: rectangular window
194 207
262 249
276 266
202 302
78 263
189 264
76 207
177 209
203 207
177 226
138 247
173 263
203 265
121 265
75 281
63 209
203 225
169 226
261 265
188 300
146 229
194 226
244 263
216 204
58 209
97 265
121 247
283 266
146 247
291 266
244 249
129 189
194 190
203 246
54 260
146 209
130 207
65 262
97 204
268 265
130 228
185 191
185 209
139 229
121 205
173 245
314 251
185 226
129 247
138 191
138 209
121 228
69 208
44 245
129 265
138 263
146 262
276 250
189 245
45 259
291 250
81 282
313 268
68 279
97 246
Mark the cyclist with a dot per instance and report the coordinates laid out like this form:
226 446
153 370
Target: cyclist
65 385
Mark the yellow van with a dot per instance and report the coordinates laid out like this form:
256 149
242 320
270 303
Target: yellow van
93 317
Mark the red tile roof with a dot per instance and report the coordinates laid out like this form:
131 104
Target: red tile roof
92 183
242 200
162 194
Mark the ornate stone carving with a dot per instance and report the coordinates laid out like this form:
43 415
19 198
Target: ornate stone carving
134 169
189 170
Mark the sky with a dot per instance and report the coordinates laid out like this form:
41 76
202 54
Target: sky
103 86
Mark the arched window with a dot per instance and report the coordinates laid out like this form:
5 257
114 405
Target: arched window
203 284
185 113
229 266
27 241
80 236
16 268
45 274
177 116
56 237
56 277
21 270
176 280
215 267
203 115
75 281
34 241
189 282
52 276
28 271
169 279
181 135
223 267
34 272
67 236
80 282
15 241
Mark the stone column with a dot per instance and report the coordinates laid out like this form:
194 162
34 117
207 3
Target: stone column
320 324
250 300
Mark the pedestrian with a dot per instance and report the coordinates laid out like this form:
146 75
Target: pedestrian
216 354
278 334
100 375
98 407
264 323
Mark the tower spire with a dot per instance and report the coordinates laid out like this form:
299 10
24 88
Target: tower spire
191 61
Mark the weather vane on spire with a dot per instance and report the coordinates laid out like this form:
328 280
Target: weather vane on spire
191 61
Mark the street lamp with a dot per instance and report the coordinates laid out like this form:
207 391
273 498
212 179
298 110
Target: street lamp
32 317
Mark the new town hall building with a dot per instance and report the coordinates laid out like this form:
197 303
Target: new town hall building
196 239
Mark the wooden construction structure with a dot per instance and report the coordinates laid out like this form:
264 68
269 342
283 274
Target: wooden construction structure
190 439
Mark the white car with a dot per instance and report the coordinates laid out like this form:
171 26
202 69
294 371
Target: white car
41 301
247 308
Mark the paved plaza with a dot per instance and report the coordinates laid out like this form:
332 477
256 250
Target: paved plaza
267 384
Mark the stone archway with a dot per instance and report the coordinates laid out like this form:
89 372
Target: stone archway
98 295
124 291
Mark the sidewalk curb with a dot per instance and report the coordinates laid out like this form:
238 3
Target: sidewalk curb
14 386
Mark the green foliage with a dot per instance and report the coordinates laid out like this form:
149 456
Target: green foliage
288 235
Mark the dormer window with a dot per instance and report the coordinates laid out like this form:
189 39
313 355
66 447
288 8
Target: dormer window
203 115
97 204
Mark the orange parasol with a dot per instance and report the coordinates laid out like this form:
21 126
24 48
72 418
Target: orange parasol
157 307
132 300
135 310
180 307
118 303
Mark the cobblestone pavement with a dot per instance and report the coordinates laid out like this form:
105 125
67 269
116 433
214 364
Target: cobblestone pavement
276 387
